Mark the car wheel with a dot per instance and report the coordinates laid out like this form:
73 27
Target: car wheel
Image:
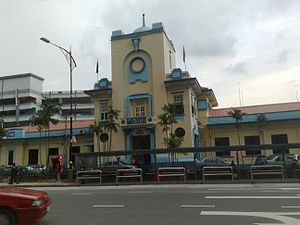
7 217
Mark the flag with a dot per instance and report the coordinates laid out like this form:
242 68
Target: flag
183 54
97 67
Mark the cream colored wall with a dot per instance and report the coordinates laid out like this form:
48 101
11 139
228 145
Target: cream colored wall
22 149
96 99
186 123
151 46
290 128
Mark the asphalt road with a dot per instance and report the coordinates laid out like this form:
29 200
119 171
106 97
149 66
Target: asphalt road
230 204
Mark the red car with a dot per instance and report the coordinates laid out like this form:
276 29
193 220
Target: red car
19 206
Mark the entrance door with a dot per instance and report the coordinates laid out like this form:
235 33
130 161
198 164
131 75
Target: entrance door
141 142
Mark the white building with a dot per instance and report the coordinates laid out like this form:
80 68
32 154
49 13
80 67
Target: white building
20 97
22 94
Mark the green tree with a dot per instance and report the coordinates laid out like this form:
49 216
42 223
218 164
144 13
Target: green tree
37 121
2 130
167 119
97 129
44 117
110 124
261 119
169 109
163 120
237 115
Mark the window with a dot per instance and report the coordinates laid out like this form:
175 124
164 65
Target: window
103 107
178 102
10 159
53 151
223 141
33 156
280 139
252 140
139 107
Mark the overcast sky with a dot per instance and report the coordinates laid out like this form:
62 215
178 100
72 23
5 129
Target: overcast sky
254 44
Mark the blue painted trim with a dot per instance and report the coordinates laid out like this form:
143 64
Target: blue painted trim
202 104
138 96
136 43
141 75
271 117
179 117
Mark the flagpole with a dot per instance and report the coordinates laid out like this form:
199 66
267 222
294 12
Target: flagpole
183 57
97 70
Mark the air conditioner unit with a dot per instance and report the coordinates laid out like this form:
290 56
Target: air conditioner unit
123 122
151 120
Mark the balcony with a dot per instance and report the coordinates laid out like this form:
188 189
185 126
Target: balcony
142 121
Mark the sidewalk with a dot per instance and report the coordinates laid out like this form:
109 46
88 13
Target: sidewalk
66 183
40 184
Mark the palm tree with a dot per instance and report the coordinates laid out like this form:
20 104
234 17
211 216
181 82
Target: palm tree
38 121
167 120
110 124
237 115
163 120
169 109
261 119
2 130
44 117
97 129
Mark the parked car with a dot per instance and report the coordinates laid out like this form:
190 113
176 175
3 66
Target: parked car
212 161
261 160
20 206
279 160
110 167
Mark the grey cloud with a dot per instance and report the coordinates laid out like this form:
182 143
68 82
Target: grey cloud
202 35
238 68
281 57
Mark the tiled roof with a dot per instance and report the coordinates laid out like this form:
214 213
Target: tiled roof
59 126
256 109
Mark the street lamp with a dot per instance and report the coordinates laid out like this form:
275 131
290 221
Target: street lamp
72 65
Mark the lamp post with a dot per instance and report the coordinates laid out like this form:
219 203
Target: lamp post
72 65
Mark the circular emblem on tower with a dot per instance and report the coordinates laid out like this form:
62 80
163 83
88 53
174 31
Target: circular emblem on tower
137 65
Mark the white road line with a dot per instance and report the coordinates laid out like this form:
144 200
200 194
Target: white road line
289 189
290 207
108 206
140 192
238 189
284 217
197 206
252 197
81 193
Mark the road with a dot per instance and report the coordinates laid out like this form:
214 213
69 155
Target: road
210 204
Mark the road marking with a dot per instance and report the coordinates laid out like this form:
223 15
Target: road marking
82 193
289 189
290 207
201 192
108 206
140 192
252 197
239 189
197 206
283 217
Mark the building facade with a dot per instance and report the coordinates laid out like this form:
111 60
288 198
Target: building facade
22 94
20 98
144 79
